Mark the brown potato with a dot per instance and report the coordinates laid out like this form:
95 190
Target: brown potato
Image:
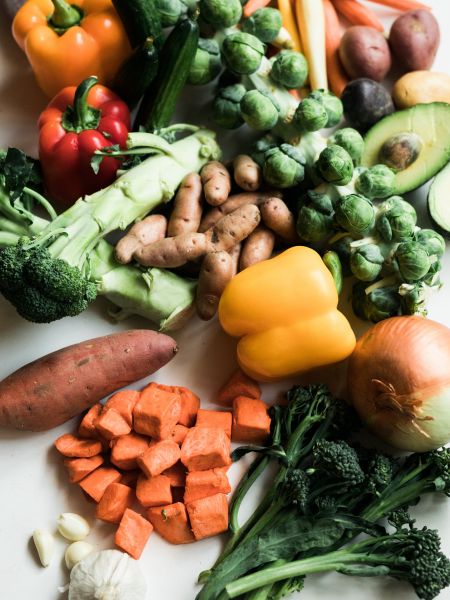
215 273
187 206
149 230
257 247
277 217
414 39
421 87
364 52
232 228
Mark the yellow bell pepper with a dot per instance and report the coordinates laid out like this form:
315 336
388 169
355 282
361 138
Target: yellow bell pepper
285 312
66 43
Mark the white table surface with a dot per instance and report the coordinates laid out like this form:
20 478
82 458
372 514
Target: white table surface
33 484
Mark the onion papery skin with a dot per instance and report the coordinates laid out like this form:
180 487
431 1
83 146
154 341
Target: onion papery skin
399 382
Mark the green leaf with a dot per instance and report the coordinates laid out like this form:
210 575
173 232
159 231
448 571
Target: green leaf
18 171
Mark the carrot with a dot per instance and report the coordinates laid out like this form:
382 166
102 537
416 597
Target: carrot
205 448
358 14
110 424
126 449
287 14
171 522
311 24
201 484
86 428
156 412
78 468
337 78
208 516
159 457
123 402
153 491
114 502
403 5
294 93
239 384
214 418
73 447
179 433
96 482
253 5
177 475
251 423
61 385
133 533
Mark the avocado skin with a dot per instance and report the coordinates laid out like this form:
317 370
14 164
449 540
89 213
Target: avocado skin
438 202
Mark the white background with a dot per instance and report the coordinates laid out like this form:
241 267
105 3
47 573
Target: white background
33 485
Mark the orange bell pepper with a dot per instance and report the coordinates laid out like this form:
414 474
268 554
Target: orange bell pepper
66 43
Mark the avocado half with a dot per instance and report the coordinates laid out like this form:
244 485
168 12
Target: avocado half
430 123
439 201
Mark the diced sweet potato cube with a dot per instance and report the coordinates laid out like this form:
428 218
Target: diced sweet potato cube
190 403
130 478
110 424
215 418
77 468
74 447
239 384
96 482
171 522
156 412
86 429
123 402
179 433
208 516
201 484
116 499
126 449
205 448
159 457
251 423
153 491
133 533
177 474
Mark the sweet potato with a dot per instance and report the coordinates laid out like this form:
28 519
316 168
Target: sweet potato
61 385
208 516
177 475
201 484
171 522
110 424
157 412
190 403
78 468
149 230
214 418
277 217
216 182
73 447
172 252
251 423
96 482
187 206
205 448
216 271
159 457
232 228
239 384
179 433
247 173
86 428
153 491
114 502
126 449
257 247
123 402
133 533
130 478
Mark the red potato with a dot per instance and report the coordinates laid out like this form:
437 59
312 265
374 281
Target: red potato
61 385
414 39
364 52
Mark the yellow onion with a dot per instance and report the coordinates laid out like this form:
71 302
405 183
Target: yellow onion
399 382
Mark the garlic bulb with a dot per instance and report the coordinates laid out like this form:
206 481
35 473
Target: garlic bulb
107 575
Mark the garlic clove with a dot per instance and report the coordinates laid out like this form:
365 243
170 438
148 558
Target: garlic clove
76 552
45 545
73 527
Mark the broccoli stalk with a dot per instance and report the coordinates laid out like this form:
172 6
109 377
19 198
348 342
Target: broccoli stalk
51 275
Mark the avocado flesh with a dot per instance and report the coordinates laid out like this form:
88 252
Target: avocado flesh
431 122
439 201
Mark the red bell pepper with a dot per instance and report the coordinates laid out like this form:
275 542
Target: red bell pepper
76 123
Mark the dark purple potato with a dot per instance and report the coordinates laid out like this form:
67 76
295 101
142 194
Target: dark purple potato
364 52
366 102
414 40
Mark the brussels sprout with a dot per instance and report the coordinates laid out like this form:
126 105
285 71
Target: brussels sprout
413 300
379 304
332 105
259 110
289 69
310 115
170 11
227 106
366 262
283 166
206 64
376 182
396 219
351 140
242 53
221 13
432 241
265 23
315 217
342 247
411 261
335 165
333 264
355 214
261 146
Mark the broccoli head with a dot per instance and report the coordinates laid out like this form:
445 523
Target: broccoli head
379 472
297 488
429 568
338 460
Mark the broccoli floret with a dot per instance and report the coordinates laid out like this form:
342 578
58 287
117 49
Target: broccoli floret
297 487
379 473
338 460
400 517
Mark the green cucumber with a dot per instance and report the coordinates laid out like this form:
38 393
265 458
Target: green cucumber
175 59
141 20
136 73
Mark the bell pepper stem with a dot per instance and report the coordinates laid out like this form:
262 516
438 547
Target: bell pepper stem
82 112
64 15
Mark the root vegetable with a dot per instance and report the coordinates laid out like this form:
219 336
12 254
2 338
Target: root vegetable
187 206
172 252
144 232
232 228
215 273
216 182
257 247
235 253
247 173
277 217
61 385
